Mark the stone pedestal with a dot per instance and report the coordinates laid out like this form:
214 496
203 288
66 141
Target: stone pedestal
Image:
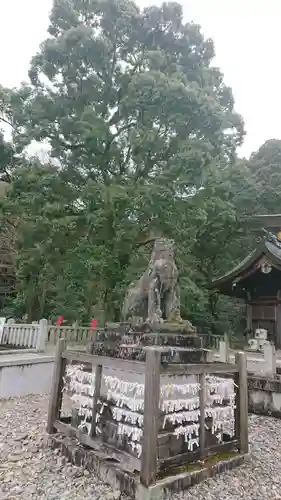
179 342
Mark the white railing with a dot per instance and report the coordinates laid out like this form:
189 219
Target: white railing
38 335
264 362
76 335
32 336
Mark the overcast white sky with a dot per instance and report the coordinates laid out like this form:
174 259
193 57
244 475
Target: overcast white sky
247 39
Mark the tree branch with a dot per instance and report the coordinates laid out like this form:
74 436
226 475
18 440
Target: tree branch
8 123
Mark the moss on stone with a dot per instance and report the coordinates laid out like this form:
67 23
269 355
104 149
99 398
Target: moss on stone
208 462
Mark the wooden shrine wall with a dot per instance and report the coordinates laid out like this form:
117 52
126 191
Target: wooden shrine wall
266 314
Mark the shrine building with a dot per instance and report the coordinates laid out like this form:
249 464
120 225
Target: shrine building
257 280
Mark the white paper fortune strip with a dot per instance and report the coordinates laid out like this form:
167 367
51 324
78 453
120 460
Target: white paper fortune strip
222 386
77 373
185 388
135 404
131 394
85 425
129 416
133 432
181 417
187 431
214 398
220 412
192 443
81 388
171 405
136 447
114 384
82 400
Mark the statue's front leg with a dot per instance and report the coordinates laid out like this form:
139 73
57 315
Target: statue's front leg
151 299
154 303
172 305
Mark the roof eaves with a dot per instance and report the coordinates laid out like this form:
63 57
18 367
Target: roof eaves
249 260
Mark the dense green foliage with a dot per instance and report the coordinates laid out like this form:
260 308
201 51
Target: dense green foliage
142 136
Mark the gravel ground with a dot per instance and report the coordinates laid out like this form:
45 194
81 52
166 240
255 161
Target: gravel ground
30 470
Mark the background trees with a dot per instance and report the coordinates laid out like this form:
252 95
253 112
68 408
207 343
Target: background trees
142 137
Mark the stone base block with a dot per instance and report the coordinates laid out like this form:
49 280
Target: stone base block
116 470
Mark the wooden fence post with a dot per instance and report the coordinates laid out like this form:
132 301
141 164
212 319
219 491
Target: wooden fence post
42 335
98 379
2 325
202 399
57 386
149 456
92 338
224 350
241 413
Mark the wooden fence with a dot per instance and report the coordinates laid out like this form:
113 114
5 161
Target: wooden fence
149 463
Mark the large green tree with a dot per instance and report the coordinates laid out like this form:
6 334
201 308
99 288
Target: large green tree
136 118
265 168
223 239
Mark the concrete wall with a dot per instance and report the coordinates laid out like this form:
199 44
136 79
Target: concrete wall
25 377
265 395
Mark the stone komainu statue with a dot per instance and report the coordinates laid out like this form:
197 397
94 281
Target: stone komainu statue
155 296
